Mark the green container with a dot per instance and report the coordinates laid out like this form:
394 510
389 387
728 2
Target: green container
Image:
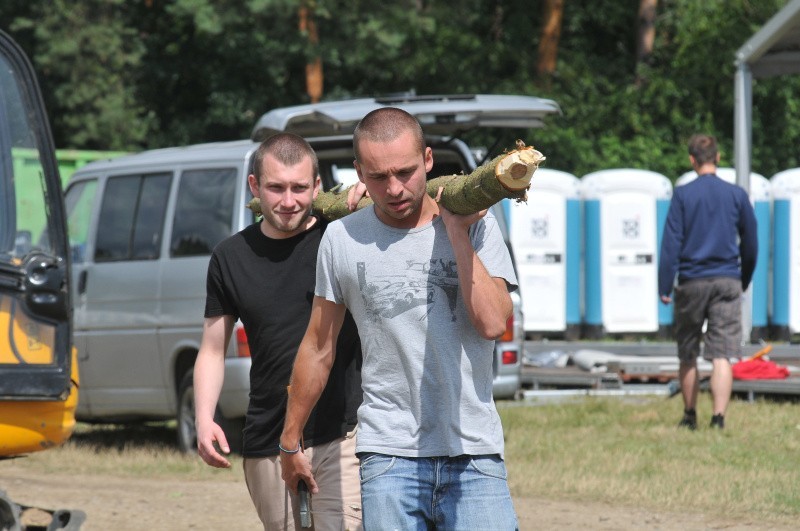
70 160
28 175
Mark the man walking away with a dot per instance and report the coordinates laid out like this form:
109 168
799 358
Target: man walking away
710 242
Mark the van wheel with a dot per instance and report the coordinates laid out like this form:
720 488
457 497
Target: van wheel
187 433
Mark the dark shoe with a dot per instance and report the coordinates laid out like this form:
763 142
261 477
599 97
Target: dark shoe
689 420
718 421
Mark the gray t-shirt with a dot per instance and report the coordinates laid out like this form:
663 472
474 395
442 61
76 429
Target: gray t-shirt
427 373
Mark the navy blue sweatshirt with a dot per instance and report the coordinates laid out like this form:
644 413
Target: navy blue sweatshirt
710 232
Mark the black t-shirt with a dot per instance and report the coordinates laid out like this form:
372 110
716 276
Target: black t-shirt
269 285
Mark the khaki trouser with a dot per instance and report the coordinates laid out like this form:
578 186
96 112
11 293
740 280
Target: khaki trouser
337 505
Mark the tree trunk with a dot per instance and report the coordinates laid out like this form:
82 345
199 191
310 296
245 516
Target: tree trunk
551 34
645 36
314 78
506 176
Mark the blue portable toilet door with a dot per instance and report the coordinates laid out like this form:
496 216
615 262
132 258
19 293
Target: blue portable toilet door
629 273
538 235
794 265
785 303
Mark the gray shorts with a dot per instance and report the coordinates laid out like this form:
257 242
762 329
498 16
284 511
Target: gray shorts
718 300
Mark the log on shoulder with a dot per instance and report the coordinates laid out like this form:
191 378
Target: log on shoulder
507 176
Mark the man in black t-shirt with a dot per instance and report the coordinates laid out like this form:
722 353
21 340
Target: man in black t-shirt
264 276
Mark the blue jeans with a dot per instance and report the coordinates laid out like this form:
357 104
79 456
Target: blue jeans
453 493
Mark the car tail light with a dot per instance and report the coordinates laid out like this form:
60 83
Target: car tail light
242 346
509 357
508 335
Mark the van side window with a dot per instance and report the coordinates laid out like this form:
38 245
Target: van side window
153 195
79 200
203 212
132 217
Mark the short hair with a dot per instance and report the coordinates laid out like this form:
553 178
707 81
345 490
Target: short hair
289 149
703 148
384 125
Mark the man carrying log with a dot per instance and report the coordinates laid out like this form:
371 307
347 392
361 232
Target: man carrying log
429 291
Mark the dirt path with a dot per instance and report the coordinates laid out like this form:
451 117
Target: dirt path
117 503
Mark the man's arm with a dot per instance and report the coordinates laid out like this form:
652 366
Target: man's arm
209 372
485 297
748 242
671 242
310 374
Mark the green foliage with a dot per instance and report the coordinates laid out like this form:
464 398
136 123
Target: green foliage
84 55
215 67
687 87
129 75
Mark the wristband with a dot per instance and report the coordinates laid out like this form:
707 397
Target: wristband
284 450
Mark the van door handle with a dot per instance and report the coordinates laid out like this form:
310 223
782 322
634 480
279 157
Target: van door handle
82 282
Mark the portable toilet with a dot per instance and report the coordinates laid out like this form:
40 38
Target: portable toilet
545 233
757 317
786 254
624 212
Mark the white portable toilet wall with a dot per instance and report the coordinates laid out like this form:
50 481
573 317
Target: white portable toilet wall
761 197
786 254
545 235
624 212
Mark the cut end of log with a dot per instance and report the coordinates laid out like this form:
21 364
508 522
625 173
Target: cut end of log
518 171
515 170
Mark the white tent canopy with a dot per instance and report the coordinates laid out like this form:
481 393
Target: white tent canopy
772 51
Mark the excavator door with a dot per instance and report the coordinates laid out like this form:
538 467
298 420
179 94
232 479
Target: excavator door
38 374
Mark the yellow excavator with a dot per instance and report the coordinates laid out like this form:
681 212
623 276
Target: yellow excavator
38 367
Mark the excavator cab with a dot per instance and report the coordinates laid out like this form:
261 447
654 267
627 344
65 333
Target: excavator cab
38 368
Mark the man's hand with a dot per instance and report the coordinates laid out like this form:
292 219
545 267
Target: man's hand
666 299
209 433
208 375
355 194
295 467
455 221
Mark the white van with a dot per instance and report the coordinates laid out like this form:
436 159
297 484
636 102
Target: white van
142 228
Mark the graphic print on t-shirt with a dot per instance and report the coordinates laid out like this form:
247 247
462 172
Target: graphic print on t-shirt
388 296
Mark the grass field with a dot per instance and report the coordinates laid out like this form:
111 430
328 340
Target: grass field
632 453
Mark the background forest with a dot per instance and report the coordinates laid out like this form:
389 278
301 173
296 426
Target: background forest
635 78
